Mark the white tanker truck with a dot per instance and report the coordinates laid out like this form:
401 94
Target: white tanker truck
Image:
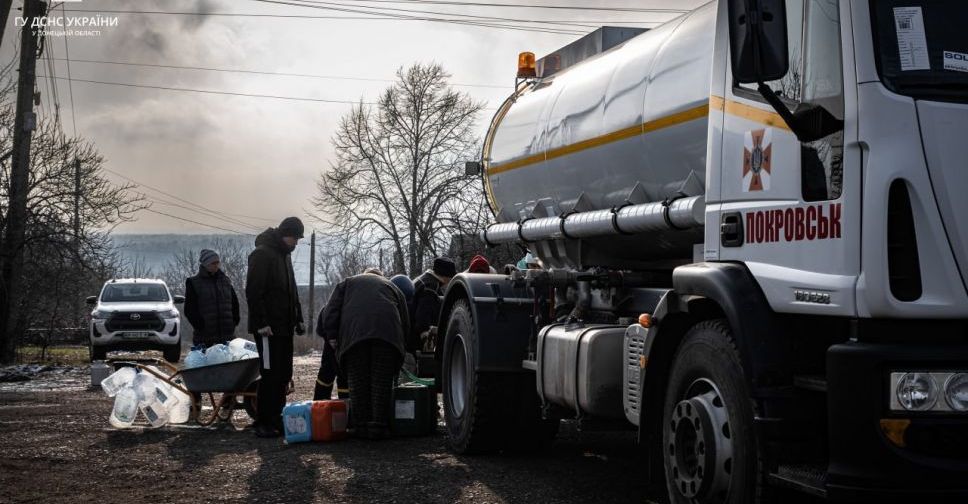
753 235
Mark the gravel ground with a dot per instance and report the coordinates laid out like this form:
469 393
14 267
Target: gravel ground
57 446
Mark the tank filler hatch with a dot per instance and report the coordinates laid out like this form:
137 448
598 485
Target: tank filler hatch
594 43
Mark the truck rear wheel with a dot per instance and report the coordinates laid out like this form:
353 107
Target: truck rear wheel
707 435
471 401
486 412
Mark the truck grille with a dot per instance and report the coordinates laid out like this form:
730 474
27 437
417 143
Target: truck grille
134 321
633 350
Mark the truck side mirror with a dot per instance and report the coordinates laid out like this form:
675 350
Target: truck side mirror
758 40
91 300
472 168
178 299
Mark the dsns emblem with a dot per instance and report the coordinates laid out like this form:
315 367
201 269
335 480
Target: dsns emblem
757 160
135 316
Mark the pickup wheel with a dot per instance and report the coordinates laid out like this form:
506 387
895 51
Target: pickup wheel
98 352
709 446
172 353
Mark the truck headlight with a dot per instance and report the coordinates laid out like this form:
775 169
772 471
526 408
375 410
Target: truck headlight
100 315
168 314
956 391
916 391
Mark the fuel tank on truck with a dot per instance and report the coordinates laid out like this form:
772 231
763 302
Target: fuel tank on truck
625 126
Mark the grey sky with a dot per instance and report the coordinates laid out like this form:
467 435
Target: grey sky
260 156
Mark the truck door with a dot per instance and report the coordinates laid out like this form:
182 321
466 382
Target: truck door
792 197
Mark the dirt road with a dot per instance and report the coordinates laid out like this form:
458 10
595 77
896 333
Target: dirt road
56 446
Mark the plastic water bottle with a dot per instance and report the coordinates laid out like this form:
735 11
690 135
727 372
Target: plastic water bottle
154 412
125 408
217 354
118 380
195 358
182 410
241 347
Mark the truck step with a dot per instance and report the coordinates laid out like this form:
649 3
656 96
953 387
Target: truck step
816 383
804 477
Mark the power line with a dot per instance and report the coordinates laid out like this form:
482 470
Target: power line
525 6
262 72
183 200
304 16
371 17
196 222
160 201
338 8
316 4
210 91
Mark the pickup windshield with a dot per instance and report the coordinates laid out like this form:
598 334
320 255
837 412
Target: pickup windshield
134 293
922 47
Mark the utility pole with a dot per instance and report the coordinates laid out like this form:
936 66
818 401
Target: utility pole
11 249
77 242
77 207
312 282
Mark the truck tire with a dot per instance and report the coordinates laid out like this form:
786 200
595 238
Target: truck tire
709 446
474 402
172 353
487 412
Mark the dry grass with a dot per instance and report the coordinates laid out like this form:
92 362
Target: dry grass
59 355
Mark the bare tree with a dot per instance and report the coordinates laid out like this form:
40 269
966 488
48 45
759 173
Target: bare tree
63 257
397 184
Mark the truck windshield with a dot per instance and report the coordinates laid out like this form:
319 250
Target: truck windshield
922 47
137 293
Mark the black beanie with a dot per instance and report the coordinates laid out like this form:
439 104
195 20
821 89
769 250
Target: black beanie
445 267
291 226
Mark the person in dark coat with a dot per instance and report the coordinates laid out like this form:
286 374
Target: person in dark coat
274 314
330 373
211 307
367 316
428 288
211 304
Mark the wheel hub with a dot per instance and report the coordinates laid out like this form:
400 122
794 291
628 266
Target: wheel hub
458 377
700 448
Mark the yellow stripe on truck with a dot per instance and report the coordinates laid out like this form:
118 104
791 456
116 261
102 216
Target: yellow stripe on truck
632 131
715 103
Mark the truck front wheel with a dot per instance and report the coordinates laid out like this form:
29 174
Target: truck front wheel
707 435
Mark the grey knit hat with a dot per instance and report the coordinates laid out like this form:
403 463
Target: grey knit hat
206 257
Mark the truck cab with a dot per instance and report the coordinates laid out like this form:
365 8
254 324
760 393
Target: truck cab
753 252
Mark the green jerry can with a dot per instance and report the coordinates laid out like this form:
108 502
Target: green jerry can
414 410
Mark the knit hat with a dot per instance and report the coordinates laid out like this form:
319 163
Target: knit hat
479 264
444 267
291 226
206 257
404 284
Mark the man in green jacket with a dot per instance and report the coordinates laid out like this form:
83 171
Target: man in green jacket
274 314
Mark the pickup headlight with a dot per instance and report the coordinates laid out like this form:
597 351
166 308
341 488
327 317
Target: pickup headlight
929 391
100 315
168 314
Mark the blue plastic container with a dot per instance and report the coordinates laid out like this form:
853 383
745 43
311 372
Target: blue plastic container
297 421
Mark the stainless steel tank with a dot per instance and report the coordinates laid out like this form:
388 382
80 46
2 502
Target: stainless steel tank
624 127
